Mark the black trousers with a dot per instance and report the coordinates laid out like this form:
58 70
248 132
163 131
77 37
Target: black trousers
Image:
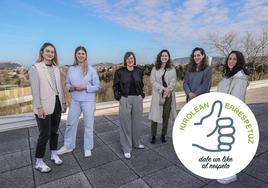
48 130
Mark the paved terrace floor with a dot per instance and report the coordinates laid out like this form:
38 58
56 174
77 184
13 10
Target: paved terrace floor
155 166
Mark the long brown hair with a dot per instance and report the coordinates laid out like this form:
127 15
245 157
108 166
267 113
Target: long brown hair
40 56
85 64
158 61
192 66
240 64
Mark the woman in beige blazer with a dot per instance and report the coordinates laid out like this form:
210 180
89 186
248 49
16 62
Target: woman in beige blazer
48 103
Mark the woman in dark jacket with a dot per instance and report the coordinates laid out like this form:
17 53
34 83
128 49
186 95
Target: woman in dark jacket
128 90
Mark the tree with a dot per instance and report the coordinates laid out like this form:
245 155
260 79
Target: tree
223 44
147 69
180 71
255 50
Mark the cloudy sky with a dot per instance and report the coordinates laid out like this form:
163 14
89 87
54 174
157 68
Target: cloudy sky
109 28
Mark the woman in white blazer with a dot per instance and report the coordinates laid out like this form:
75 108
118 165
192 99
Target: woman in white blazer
234 82
48 103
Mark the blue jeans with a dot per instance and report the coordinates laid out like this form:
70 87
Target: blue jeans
88 109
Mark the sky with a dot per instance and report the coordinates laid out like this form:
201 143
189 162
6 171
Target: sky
109 28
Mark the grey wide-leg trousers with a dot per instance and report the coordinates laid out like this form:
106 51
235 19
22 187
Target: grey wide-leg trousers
131 122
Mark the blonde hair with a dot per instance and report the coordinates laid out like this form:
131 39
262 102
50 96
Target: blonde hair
85 64
41 58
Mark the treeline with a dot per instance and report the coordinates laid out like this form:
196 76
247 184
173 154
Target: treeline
258 70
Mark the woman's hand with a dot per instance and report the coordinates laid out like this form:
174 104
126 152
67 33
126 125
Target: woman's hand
64 107
41 113
77 88
167 92
192 95
72 88
80 88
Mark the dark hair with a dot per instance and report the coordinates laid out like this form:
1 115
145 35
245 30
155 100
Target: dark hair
40 57
158 61
127 55
240 64
192 66
85 64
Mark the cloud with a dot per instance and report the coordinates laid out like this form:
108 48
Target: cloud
255 10
175 20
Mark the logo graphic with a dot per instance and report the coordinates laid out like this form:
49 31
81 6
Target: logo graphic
222 124
215 135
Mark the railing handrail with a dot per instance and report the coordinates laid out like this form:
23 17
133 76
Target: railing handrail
28 98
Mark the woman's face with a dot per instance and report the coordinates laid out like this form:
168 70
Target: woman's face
232 60
198 57
164 57
48 53
130 61
81 56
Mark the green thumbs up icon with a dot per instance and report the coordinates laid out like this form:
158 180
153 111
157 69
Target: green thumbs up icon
223 127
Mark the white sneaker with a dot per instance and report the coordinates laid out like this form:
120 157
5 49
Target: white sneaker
127 155
63 150
141 146
87 153
227 180
42 167
56 159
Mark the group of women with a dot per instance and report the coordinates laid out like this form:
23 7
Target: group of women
83 83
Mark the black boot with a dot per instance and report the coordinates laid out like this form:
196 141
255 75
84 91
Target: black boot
163 139
153 140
